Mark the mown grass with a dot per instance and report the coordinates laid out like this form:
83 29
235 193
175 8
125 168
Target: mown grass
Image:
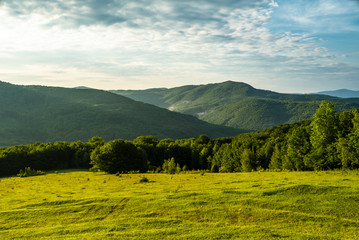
260 205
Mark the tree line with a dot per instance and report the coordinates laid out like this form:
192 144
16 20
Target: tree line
328 141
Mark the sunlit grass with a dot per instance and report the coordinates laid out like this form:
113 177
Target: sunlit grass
260 205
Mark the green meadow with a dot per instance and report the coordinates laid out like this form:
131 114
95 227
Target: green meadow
258 205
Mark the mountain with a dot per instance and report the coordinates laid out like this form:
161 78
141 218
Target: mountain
46 114
237 104
82 87
342 93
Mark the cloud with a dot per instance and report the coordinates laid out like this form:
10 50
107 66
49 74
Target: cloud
319 16
131 13
170 40
171 23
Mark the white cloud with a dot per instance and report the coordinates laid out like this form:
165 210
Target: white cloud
158 42
318 16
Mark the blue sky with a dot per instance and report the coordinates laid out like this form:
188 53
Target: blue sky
281 45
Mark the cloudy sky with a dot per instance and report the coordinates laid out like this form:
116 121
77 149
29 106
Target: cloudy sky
281 45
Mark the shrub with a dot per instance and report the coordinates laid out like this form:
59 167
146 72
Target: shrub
169 166
27 172
144 180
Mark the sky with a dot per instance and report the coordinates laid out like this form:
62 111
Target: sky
292 46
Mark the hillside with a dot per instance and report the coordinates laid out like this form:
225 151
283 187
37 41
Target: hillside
342 93
35 113
237 104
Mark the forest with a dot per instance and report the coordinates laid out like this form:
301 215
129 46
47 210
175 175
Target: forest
329 140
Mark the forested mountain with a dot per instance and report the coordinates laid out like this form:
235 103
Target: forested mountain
36 113
342 93
329 140
237 104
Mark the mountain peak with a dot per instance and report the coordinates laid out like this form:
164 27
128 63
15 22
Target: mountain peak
230 82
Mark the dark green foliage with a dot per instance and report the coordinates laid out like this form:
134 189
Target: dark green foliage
45 156
324 127
328 141
119 156
298 148
237 104
347 154
28 172
276 159
47 114
247 160
148 144
203 139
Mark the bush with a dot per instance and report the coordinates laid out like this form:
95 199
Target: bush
170 166
27 172
144 180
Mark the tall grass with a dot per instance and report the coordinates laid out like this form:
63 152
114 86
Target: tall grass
261 205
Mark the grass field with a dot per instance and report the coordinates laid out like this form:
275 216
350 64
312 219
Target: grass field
260 205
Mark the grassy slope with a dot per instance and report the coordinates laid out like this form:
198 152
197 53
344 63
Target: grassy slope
237 104
263 205
35 113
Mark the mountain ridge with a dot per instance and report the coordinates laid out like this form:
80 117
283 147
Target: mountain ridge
342 93
45 114
237 104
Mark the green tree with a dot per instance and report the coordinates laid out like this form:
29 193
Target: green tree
203 139
276 159
119 156
287 163
298 147
81 154
353 141
178 168
346 124
265 153
149 145
355 121
97 141
324 125
203 157
247 160
227 159
323 136
169 166
346 154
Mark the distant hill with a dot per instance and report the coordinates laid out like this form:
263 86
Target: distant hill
82 87
237 104
45 114
342 93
